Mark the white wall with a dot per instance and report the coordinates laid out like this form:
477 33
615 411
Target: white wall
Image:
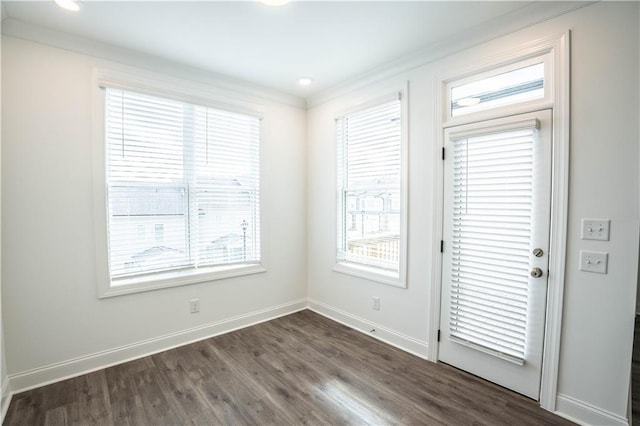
402 310
4 382
597 335
598 309
54 319
50 299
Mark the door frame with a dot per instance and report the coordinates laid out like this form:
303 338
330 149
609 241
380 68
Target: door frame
474 61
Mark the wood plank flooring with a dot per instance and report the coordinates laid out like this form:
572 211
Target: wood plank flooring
298 369
635 374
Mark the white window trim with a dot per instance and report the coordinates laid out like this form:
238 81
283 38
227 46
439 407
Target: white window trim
545 102
370 273
557 49
171 88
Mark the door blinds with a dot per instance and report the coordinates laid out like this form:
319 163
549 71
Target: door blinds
182 184
492 212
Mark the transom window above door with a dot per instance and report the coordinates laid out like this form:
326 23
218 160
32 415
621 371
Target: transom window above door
521 83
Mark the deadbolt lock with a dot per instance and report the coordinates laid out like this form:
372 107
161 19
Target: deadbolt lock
536 272
537 252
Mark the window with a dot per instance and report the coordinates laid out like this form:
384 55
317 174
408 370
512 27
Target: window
513 84
190 174
370 191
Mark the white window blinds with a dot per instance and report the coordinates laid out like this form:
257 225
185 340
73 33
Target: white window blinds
492 215
369 186
182 185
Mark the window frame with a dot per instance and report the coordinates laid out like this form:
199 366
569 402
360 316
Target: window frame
372 273
494 69
152 84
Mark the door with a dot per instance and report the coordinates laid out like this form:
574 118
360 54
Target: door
497 183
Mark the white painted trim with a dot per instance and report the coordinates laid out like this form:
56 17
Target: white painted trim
586 414
371 273
178 278
99 175
5 398
401 341
558 45
489 112
374 274
559 218
129 78
370 104
532 14
438 219
56 372
232 87
138 80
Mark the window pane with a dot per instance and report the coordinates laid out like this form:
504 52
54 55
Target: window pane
135 208
373 228
183 185
227 189
227 225
144 138
520 85
369 187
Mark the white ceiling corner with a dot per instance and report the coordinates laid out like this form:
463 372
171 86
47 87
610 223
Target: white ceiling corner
333 42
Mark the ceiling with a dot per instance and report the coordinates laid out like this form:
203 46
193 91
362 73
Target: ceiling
329 41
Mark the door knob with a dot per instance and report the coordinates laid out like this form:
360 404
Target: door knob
536 272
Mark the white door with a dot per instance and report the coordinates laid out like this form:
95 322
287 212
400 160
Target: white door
495 251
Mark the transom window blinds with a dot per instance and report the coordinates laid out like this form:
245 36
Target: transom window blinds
369 184
492 215
183 185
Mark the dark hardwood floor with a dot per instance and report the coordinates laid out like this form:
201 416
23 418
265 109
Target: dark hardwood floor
635 375
298 369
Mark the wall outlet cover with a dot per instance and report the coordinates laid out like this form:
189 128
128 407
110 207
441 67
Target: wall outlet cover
376 303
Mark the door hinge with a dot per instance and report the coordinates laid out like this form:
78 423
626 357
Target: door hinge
443 153
438 335
441 246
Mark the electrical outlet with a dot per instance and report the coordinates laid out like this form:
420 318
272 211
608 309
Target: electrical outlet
595 229
194 306
376 303
594 261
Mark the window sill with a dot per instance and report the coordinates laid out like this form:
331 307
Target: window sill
370 273
178 278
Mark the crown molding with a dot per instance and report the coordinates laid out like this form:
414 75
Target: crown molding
534 13
233 87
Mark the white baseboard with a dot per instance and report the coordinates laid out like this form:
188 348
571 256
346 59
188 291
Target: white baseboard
586 414
399 340
52 373
5 398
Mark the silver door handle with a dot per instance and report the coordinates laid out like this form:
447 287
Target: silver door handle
536 272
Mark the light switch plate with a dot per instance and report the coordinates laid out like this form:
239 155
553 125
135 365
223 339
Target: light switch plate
594 261
595 229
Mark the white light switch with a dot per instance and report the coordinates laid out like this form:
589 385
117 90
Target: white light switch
595 229
594 261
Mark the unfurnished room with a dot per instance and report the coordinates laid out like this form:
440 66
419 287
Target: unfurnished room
283 212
